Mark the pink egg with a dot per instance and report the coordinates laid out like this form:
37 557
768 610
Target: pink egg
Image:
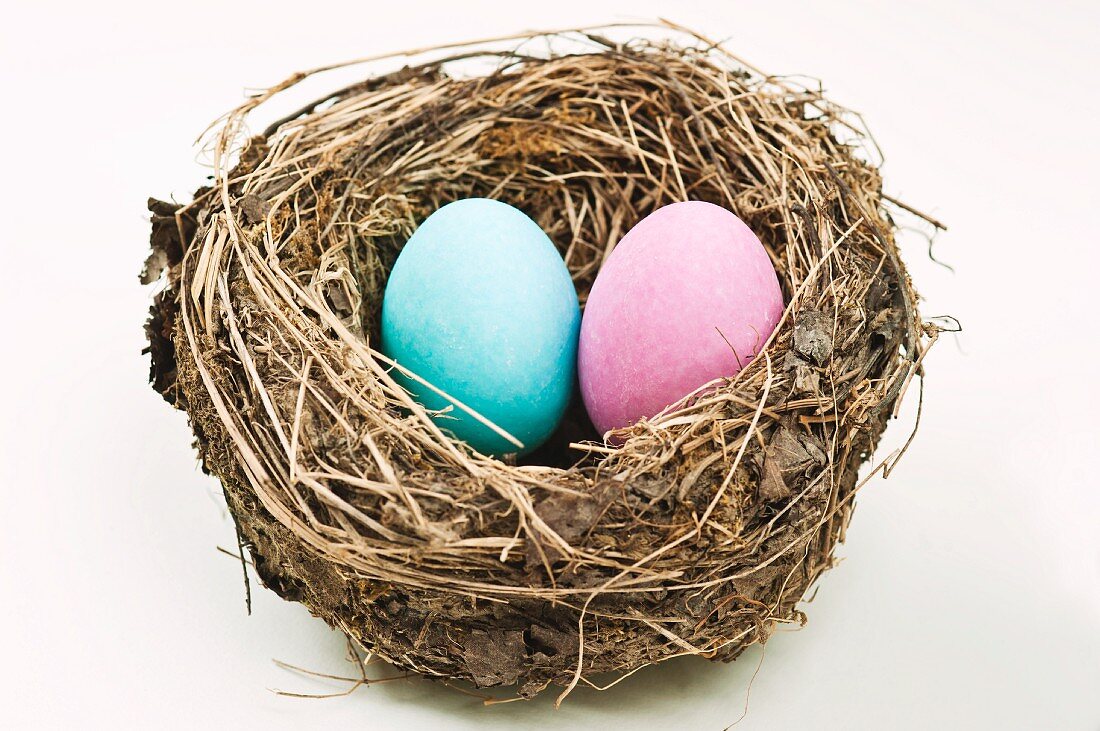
688 296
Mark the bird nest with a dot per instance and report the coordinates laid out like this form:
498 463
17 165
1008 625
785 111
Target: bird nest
695 532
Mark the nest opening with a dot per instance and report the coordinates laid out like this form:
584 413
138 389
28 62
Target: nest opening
698 534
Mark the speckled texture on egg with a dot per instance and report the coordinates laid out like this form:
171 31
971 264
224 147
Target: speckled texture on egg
480 305
689 295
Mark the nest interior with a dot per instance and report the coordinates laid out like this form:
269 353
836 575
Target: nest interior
702 530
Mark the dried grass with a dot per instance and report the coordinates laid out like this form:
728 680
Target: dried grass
698 534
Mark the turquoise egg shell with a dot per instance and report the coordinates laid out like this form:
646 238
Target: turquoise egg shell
480 304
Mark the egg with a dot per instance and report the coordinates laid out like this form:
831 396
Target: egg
480 305
687 296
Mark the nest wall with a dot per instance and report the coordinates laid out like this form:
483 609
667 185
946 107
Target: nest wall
702 530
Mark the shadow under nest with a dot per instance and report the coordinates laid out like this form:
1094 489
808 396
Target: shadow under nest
698 534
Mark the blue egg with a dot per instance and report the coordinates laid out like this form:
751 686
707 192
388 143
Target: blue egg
480 305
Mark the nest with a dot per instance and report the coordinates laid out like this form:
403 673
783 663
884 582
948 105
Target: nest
696 532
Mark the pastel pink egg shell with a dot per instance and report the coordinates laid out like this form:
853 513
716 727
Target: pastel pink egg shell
652 331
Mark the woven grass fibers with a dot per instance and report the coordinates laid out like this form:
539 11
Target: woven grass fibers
703 529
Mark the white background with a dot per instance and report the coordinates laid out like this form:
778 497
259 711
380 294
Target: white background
970 592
